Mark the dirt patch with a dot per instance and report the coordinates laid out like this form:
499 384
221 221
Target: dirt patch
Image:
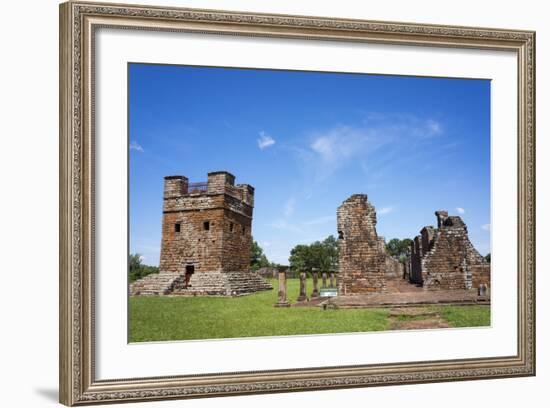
419 324
413 312
416 318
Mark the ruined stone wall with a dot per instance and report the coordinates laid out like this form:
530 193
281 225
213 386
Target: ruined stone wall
361 263
445 266
207 225
481 273
394 268
452 261
416 260
427 235
479 267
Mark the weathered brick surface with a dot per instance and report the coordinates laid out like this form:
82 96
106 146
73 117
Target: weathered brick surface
393 268
415 274
444 258
214 225
206 228
361 261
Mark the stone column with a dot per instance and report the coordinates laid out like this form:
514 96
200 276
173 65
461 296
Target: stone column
282 302
324 280
315 274
332 280
303 279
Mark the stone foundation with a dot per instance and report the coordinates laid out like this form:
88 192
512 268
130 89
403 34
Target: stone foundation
200 284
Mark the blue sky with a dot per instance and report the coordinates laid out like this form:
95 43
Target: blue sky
306 141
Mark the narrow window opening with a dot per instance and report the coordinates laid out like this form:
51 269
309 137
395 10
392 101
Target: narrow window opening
206 225
230 227
244 230
177 227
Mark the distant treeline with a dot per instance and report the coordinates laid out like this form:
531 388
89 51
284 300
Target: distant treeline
137 269
319 255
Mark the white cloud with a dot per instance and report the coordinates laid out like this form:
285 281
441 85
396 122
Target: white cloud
337 145
486 227
460 210
136 146
265 141
385 210
334 148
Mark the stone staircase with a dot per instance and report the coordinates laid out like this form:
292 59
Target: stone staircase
223 284
161 283
200 284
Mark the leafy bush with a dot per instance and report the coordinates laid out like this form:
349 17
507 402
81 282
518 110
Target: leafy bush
137 270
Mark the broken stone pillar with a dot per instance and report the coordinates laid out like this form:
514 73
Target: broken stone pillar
324 280
361 262
427 235
282 302
332 280
303 279
315 274
441 217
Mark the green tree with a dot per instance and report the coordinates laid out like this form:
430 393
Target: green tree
257 257
134 261
137 269
332 252
399 248
300 258
321 255
488 257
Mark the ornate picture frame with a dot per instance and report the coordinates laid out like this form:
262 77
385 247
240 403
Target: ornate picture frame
78 24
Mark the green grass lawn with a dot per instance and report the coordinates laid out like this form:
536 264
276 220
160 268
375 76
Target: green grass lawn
466 316
187 318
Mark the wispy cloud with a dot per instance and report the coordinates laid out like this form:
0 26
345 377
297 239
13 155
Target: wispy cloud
320 220
460 210
265 141
486 227
433 127
136 146
385 210
289 207
334 148
284 225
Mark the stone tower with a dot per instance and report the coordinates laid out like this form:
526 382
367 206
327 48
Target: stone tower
361 260
206 227
206 239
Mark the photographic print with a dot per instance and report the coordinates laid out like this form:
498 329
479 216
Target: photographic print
232 183
274 202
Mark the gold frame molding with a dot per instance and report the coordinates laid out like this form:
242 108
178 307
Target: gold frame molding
78 22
